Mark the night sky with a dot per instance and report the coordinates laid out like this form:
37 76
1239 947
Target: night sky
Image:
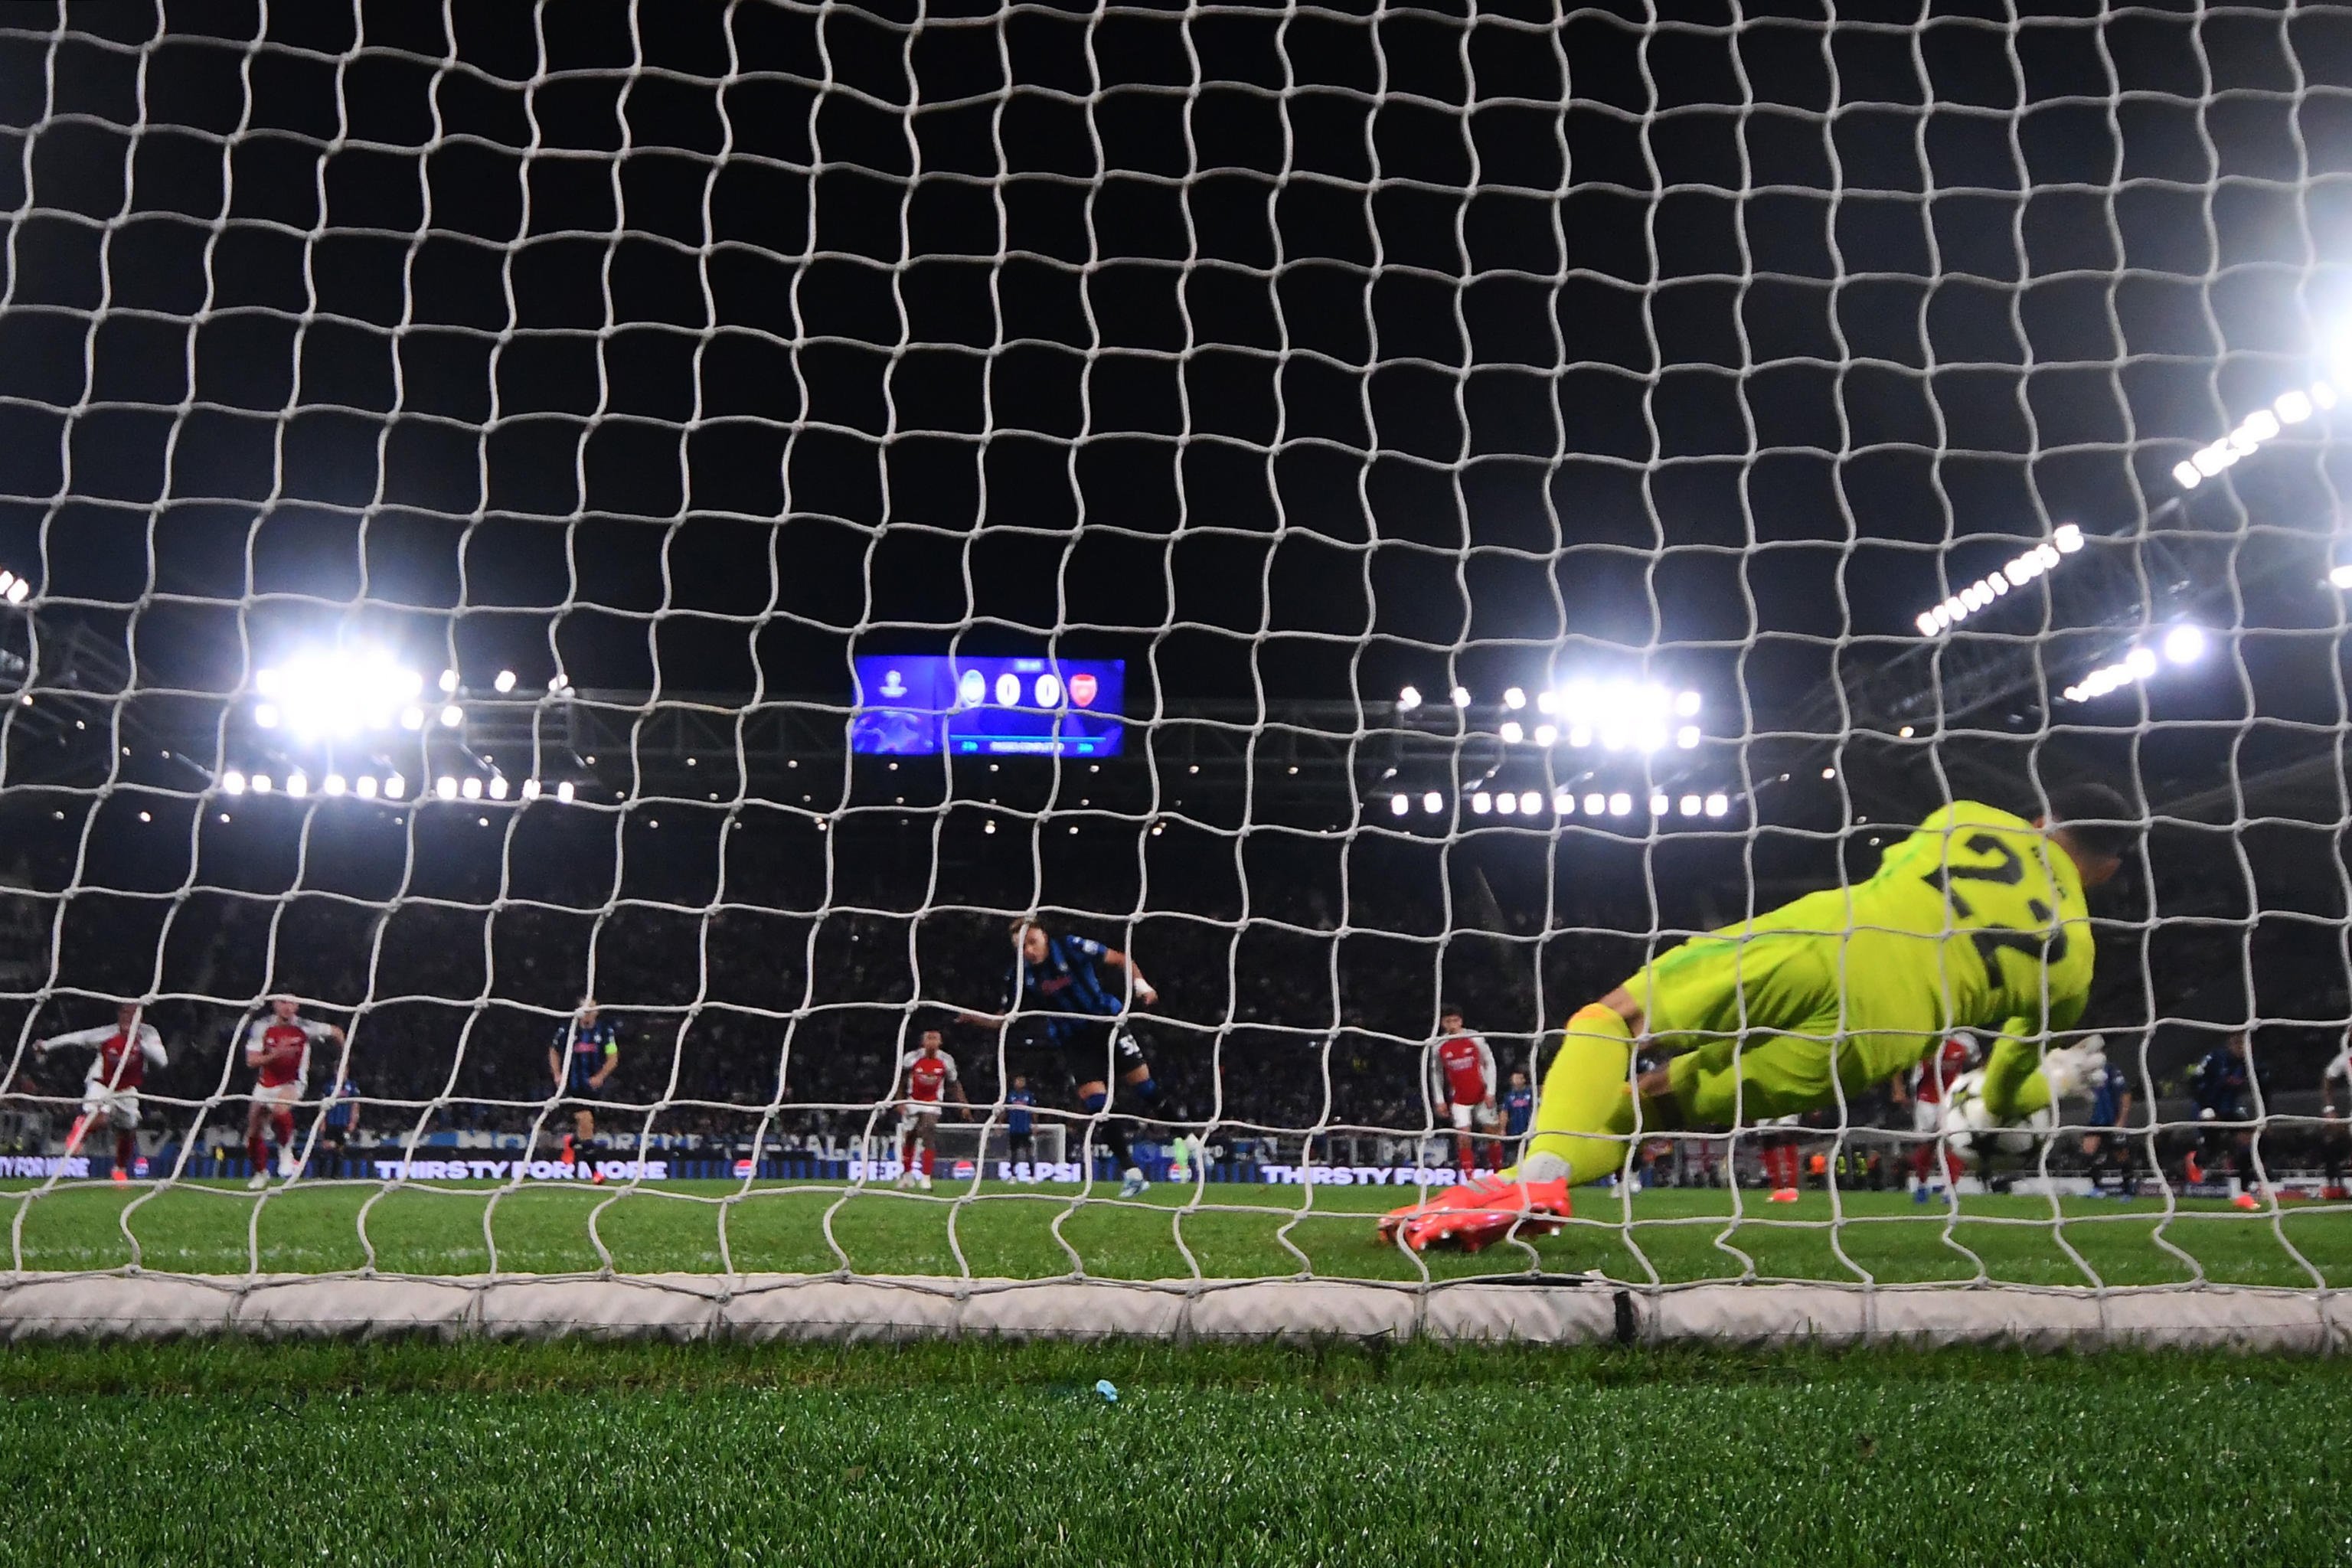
1290 355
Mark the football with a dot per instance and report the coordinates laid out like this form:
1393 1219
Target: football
1966 1120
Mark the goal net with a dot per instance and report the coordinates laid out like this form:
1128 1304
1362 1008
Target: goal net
577 580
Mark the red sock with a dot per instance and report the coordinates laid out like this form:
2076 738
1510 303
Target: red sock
126 1145
928 1152
282 1124
257 1148
1951 1168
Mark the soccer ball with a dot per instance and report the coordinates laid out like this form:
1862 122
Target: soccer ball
1966 1120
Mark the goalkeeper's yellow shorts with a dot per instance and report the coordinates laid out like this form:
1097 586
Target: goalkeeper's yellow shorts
1758 1021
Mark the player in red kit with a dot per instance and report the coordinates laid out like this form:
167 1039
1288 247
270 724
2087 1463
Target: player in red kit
930 1076
1929 1087
277 1048
1461 1079
118 1065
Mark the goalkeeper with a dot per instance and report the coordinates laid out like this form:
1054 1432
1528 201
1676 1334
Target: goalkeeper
1976 921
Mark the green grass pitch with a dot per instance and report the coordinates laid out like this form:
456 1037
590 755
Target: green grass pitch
984 1454
1029 1232
992 1453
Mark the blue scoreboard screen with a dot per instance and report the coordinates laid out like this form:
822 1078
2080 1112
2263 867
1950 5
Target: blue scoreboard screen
921 704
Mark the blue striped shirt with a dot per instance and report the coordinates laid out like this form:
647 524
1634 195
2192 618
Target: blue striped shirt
1067 981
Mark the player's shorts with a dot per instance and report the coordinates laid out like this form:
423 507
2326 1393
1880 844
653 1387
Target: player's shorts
1098 1050
913 1113
1463 1116
1927 1116
285 1094
1770 1024
119 1106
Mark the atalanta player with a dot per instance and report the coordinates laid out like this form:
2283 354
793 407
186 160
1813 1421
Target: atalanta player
1075 990
120 1057
587 1053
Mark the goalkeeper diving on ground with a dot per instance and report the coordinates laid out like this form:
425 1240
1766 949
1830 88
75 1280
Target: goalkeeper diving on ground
1977 920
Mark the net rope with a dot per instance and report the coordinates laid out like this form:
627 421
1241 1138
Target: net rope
1374 386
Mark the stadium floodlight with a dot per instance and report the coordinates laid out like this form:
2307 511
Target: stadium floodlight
445 787
471 788
505 682
1686 737
530 789
233 783
1482 803
1433 803
1399 805
1507 803
339 692
260 783
1658 805
2063 540
2255 431
1530 803
13 588
449 680
1690 805
1408 699
412 717
395 786
1512 732
1546 734
1514 698
2185 643
1620 805
1595 803
364 786
2134 667
1564 804
2341 576
333 784
1686 704
297 784
1461 697
498 787
1621 714
1717 804
452 716
563 793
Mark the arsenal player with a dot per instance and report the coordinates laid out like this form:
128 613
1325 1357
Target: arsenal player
1930 1085
117 1066
931 1074
277 1048
1461 1076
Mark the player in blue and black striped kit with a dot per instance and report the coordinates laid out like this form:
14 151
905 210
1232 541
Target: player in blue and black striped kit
1061 985
1019 1110
586 1052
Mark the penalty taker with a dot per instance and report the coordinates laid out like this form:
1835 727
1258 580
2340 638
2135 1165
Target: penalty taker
1978 920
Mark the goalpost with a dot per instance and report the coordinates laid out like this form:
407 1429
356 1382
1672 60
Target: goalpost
717 514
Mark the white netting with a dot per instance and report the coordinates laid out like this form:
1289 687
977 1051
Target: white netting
1549 483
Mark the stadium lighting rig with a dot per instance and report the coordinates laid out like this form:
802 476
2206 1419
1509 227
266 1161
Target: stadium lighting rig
2180 645
1937 620
13 588
2255 431
340 693
1564 803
